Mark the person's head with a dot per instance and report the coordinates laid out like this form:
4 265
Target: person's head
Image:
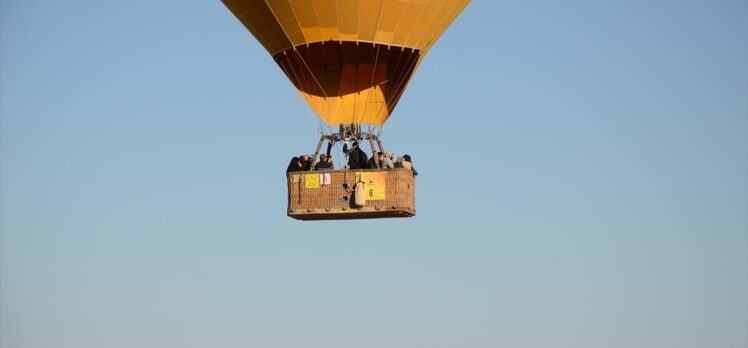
305 157
380 155
323 157
407 158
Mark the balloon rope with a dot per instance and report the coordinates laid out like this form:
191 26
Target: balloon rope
397 90
371 84
322 122
376 57
297 52
312 73
415 23
430 26
277 20
448 19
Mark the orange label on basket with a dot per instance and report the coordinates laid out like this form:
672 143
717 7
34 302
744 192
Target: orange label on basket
376 185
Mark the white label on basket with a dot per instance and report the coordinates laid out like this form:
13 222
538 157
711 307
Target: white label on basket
324 179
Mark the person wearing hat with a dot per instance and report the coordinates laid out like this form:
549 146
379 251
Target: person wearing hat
357 158
323 163
408 164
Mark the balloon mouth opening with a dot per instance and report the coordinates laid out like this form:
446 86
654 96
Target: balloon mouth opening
349 81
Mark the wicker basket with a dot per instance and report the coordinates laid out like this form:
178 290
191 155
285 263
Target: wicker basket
328 194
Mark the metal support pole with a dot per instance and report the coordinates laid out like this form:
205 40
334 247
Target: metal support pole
316 153
373 150
381 148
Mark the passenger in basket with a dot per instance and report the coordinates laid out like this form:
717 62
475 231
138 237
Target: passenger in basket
408 164
399 163
372 164
323 163
306 162
389 161
294 166
357 158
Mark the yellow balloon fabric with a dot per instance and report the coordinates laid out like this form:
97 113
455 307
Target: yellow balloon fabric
350 59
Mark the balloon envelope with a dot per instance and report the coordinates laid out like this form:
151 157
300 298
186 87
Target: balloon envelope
350 59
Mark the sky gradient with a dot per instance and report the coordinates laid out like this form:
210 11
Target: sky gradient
583 183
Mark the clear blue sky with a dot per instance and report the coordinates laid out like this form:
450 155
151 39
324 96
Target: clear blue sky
584 183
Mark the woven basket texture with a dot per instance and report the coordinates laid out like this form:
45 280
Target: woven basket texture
338 194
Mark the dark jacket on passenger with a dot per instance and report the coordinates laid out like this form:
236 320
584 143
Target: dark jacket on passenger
306 165
357 158
399 163
371 164
294 166
323 165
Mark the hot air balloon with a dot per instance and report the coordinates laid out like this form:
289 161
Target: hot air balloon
350 60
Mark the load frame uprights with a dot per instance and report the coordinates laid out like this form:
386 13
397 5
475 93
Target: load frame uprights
348 132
